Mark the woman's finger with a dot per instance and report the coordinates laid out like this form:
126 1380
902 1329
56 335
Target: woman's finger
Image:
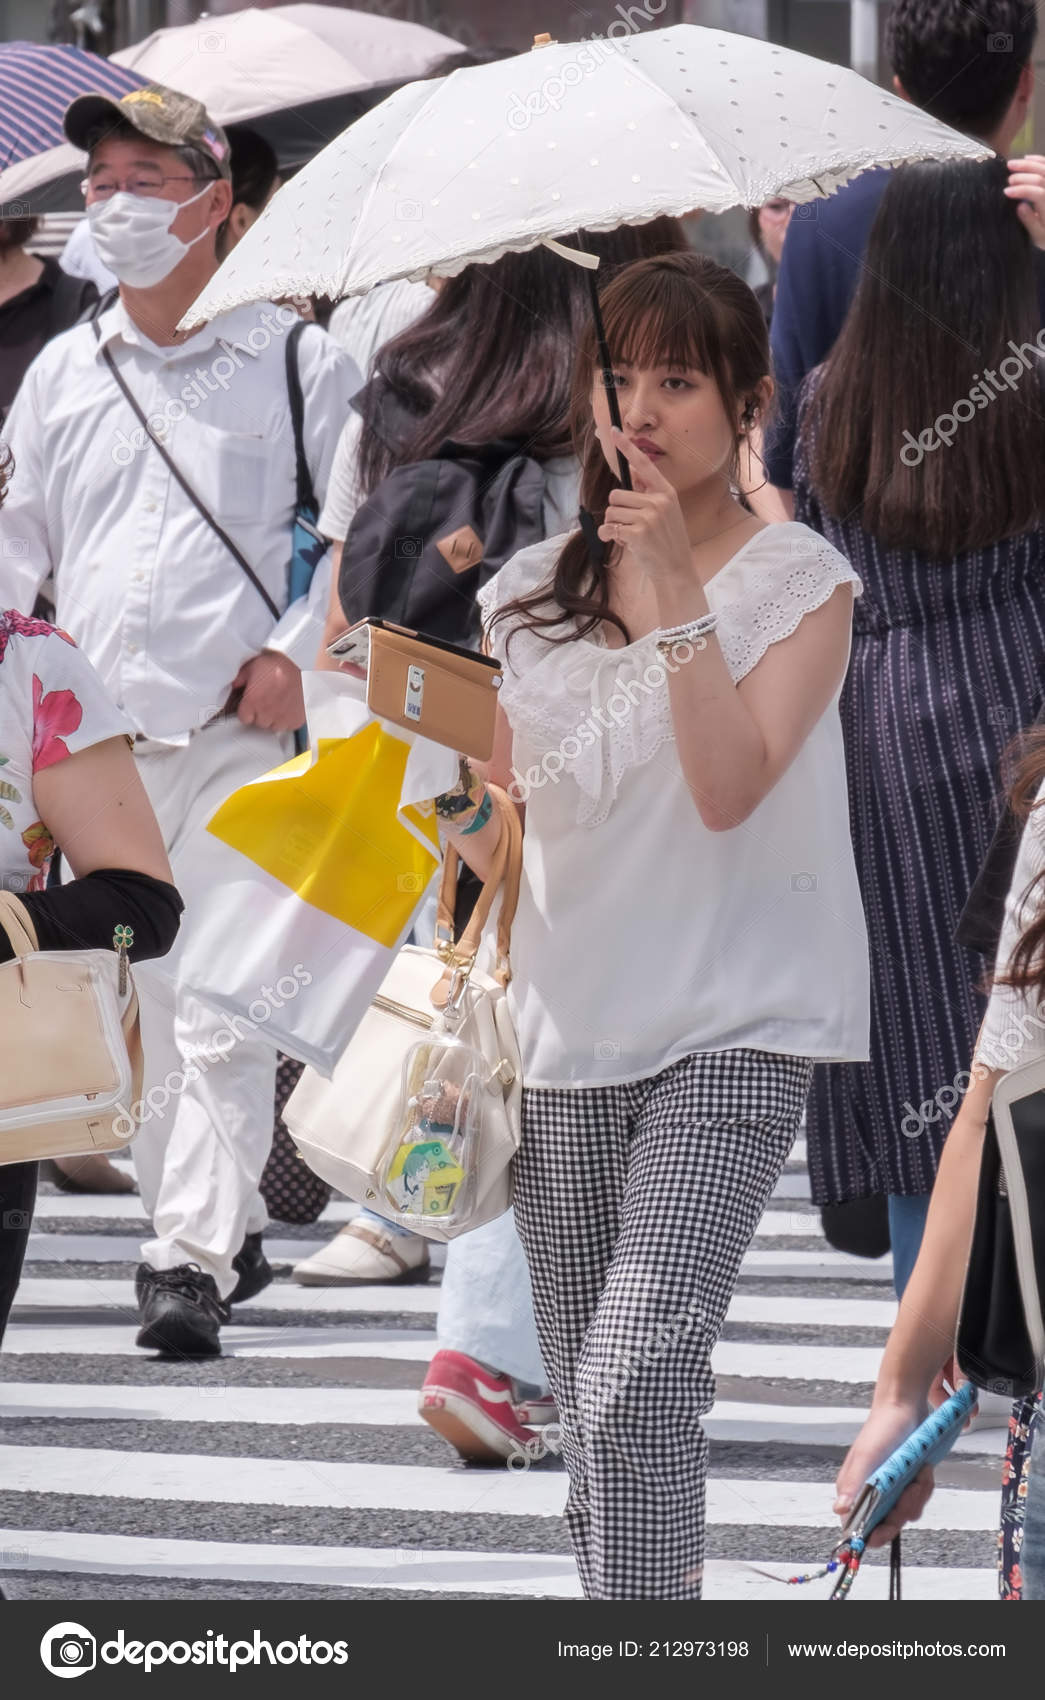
651 476
619 497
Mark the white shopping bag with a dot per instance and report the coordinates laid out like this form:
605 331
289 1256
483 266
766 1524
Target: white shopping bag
316 872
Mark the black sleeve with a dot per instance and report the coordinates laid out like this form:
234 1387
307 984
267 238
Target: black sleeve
980 923
84 914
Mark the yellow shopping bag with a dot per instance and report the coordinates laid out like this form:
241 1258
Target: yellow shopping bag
327 827
314 875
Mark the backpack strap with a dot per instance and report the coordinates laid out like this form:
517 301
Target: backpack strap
306 495
180 479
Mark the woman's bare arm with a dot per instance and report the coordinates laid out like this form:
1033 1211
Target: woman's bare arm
922 1339
95 807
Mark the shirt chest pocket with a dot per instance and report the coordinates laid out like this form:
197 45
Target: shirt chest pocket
241 477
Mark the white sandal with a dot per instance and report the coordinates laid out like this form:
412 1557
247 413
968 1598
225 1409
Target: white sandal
360 1255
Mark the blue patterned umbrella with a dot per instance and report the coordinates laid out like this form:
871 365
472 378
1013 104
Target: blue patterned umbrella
36 85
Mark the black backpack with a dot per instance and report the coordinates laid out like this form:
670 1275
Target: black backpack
433 532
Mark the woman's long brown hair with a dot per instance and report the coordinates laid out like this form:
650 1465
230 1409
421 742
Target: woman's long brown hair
491 358
947 297
1026 971
681 310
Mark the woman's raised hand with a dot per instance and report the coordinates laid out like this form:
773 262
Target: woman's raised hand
648 519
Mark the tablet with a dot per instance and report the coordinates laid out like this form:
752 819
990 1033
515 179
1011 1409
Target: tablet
425 684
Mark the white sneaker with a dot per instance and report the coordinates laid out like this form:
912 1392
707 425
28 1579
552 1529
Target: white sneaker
361 1255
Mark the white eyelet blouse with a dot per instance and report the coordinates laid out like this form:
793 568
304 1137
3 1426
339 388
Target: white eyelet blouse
641 936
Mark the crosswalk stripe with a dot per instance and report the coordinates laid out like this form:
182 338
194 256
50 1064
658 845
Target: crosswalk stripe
412 1569
124 1212
105 1472
756 1361
107 1340
91 1293
125 1247
300 1407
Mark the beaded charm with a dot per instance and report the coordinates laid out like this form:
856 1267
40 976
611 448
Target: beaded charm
122 940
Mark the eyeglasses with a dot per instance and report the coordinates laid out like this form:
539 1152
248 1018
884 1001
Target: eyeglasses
141 183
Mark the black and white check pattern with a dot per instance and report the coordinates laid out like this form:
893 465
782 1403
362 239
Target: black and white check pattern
636 1204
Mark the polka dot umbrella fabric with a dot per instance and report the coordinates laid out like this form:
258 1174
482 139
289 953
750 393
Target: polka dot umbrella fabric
589 134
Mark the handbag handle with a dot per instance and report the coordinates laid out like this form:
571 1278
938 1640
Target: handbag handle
17 923
506 870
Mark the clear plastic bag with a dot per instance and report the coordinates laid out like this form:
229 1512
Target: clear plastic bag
430 1167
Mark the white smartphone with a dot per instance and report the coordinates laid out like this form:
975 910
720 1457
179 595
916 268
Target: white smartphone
352 646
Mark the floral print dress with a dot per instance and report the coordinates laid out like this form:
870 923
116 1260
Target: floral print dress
52 704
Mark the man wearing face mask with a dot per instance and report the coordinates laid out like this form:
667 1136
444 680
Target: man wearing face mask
169 542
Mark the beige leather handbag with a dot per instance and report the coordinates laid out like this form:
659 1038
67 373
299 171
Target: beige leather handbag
70 1046
348 1128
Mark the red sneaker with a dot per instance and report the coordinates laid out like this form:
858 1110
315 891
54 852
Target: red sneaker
537 1412
474 1409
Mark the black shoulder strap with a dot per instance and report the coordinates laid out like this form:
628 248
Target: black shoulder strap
179 477
306 496
98 306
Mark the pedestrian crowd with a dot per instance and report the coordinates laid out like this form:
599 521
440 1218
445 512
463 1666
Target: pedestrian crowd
774 892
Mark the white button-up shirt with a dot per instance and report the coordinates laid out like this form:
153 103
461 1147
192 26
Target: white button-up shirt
142 583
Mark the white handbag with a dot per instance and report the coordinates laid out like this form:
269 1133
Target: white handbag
421 1119
70 1042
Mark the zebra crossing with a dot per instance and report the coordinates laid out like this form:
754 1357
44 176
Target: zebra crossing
296 1465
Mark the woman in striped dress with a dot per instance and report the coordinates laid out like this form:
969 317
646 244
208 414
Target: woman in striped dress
922 459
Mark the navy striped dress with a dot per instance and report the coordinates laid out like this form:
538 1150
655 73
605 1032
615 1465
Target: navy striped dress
948 664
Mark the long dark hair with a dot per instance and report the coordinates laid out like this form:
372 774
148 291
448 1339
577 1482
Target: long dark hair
680 310
491 358
947 285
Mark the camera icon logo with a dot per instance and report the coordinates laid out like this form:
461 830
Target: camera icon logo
805 209
409 548
999 43
15 546
14 209
604 1050
409 882
804 882
212 42
412 210
16 1221
68 1650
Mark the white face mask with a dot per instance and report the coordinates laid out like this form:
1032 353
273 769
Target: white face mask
132 236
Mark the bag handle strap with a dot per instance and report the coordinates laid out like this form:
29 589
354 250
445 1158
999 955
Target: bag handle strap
17 923
179 477
506 871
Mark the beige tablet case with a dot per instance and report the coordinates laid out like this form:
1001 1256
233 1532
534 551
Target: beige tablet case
449 698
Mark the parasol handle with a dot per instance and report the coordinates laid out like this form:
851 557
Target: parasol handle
623 468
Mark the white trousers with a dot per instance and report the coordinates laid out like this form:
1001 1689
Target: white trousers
205 1136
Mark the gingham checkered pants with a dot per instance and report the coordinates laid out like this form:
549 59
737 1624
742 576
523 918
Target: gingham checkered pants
635 1204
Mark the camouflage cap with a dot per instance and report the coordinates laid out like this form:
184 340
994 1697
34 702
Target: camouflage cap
162 114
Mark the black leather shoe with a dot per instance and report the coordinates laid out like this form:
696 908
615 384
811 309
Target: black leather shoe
181 1311
252 1267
